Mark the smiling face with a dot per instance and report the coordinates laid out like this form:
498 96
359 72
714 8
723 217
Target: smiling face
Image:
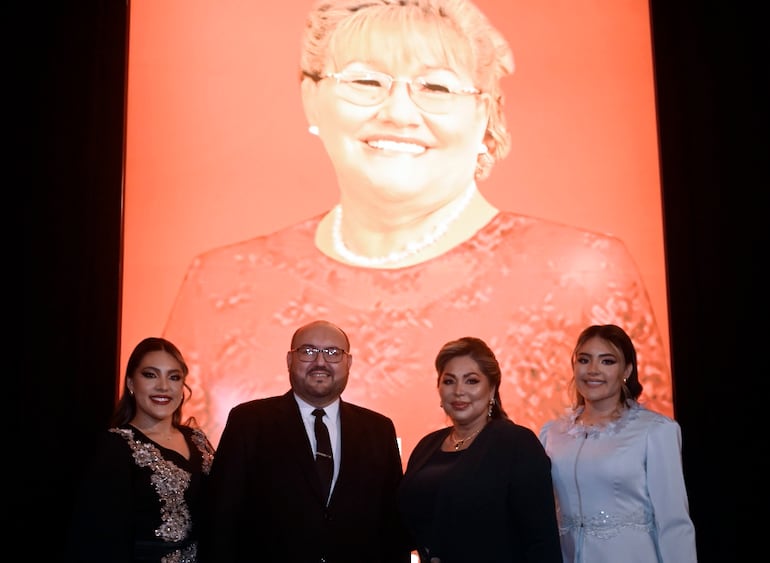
158 386
318 381
395 150
465 392
599 370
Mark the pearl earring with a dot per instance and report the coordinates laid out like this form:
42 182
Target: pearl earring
313 130
483 149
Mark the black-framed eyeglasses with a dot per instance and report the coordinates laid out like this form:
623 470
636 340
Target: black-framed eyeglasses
370 87
332 355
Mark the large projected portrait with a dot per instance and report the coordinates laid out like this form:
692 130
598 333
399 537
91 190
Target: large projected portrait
410 185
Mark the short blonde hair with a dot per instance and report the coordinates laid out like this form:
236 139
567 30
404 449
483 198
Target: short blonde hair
455 29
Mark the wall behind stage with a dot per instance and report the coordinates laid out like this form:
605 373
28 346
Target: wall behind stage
218 151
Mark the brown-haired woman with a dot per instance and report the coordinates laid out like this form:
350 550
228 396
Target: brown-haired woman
616 465
480 489
140 496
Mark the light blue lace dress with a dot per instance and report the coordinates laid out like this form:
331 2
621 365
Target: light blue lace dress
620 490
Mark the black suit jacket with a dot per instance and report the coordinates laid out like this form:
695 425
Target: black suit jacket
493 504
264 496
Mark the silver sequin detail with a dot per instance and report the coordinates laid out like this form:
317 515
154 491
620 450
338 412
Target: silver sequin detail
605 525
170 482
186 555
205 448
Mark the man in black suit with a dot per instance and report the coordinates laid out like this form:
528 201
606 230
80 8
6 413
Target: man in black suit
265 494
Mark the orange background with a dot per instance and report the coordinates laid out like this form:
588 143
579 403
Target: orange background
217 148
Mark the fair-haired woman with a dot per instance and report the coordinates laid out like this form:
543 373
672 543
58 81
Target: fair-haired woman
406 99
616 465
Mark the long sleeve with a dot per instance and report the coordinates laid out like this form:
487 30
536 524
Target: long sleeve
102 527
396 541
665 483
228 500
533 505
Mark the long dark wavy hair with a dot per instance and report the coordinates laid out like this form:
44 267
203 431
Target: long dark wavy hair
619 339
125 409
483 355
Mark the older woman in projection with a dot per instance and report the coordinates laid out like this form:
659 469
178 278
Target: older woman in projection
406 98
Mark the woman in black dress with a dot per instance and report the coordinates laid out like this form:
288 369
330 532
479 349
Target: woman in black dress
479 489
140 497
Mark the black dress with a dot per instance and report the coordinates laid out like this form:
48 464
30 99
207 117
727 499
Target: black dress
140 501
490 503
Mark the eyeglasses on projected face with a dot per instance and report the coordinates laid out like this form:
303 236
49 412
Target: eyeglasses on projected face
370 87
306 353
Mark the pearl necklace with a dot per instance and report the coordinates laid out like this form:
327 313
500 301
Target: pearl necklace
411 249
459 443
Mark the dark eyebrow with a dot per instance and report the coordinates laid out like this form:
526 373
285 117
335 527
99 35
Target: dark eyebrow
602 355
464 375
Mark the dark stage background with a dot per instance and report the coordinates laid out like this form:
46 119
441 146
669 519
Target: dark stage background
708 105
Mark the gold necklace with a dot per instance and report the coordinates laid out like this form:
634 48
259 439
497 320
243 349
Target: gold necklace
459 443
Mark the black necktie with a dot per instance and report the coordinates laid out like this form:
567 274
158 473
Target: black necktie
323 457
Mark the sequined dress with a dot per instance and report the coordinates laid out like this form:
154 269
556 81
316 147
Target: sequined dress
139 501
620 491
526 286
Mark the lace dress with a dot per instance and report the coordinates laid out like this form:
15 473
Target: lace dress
619 489
526 286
